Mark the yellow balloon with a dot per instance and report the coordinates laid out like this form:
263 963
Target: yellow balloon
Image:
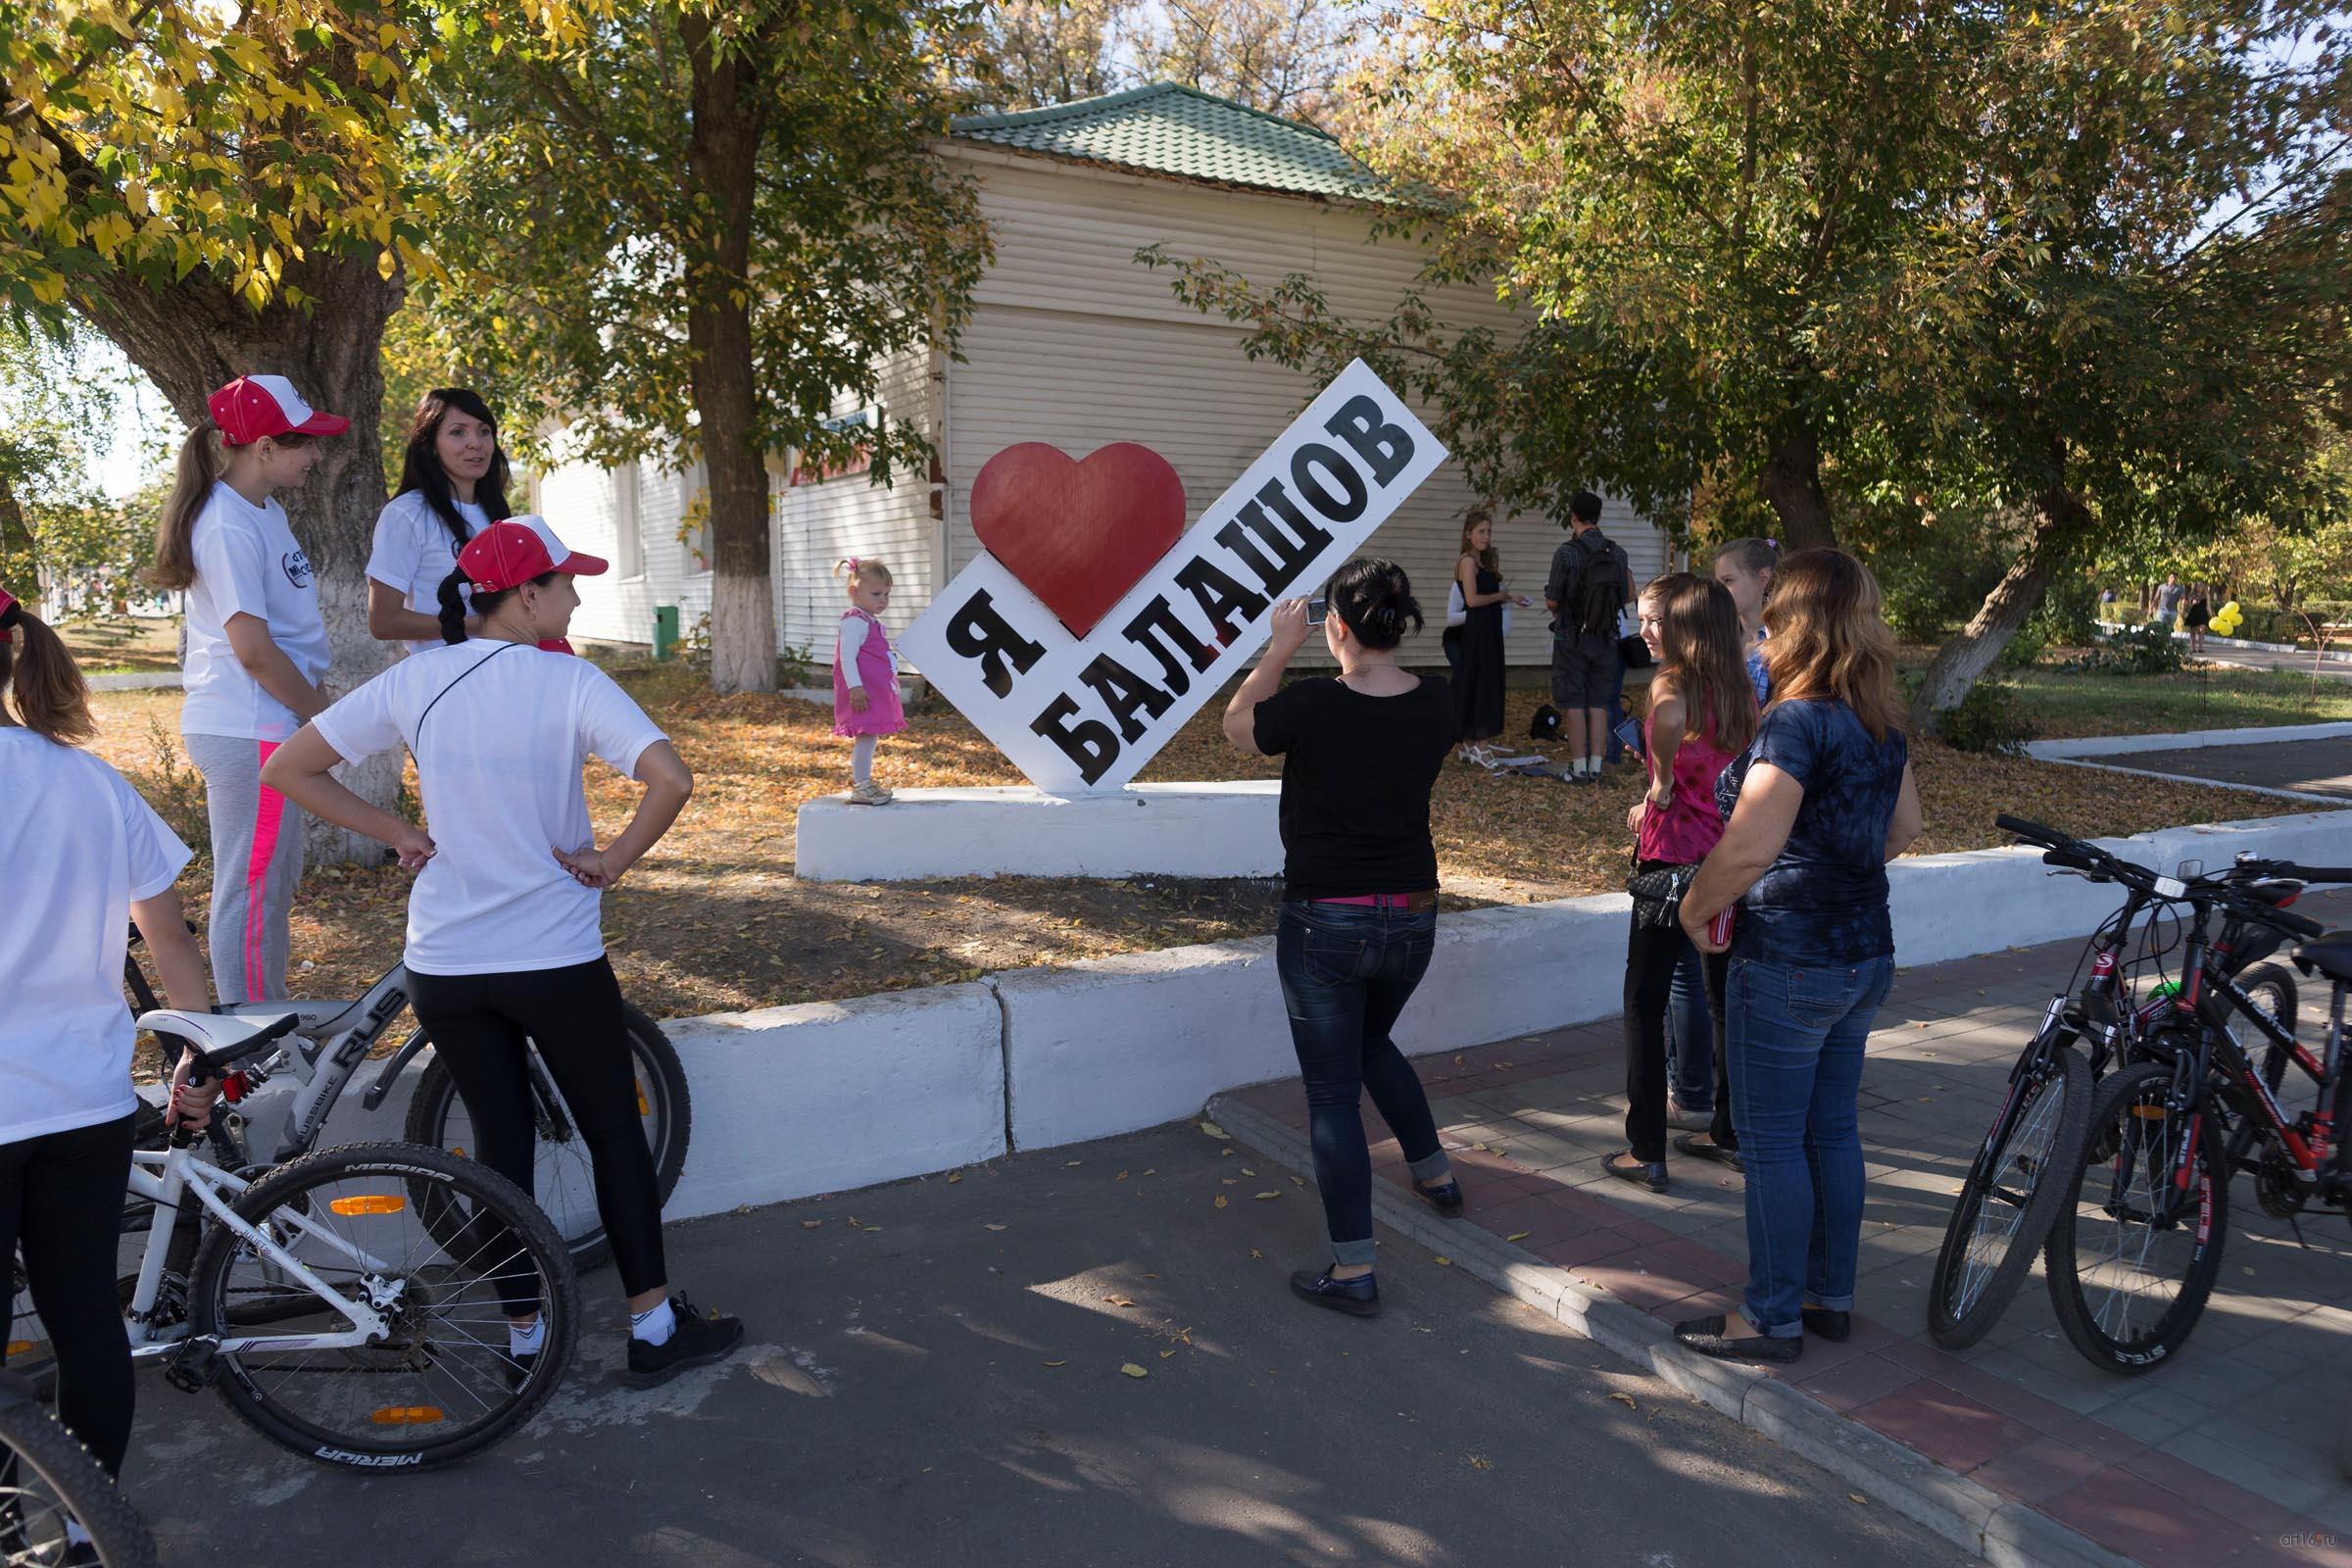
2231 611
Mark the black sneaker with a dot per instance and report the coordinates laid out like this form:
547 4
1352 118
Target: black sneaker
519 1369
1357 1298
697 1340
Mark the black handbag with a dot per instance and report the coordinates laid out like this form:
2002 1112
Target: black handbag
1658 892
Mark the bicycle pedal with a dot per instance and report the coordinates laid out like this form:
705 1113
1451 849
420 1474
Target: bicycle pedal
192 1367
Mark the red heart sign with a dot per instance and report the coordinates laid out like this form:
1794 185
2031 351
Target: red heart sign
1078 535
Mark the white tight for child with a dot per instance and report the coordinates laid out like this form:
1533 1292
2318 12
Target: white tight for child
862 760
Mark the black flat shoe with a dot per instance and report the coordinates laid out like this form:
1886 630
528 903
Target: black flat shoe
1701 1147
1641 1172
1828 1324
1446 1198
1357 1298
1705 1335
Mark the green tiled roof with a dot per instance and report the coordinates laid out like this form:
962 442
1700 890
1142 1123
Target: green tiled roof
1184 134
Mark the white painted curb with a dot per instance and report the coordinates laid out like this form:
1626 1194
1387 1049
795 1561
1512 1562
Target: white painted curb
1227 829
794 1100
2184 740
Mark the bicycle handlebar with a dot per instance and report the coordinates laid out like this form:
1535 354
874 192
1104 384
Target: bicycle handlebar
2068 852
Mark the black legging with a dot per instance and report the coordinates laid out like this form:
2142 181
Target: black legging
61 1205
478 1023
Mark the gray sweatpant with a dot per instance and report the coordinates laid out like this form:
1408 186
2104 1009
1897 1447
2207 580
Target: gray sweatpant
257 864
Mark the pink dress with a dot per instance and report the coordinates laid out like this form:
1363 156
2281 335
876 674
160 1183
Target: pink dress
1690 827
878 675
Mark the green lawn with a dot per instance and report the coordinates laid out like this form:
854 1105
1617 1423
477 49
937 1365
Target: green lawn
2065 703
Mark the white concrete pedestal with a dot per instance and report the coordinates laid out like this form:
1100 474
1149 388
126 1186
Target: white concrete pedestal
1145 829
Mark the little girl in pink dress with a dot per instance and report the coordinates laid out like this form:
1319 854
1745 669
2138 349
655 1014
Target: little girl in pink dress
866 676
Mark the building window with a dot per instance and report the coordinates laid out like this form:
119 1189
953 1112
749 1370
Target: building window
629 531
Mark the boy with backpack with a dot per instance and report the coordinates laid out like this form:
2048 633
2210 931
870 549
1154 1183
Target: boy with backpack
1590 581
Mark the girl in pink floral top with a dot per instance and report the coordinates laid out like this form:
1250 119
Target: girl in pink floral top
1703 713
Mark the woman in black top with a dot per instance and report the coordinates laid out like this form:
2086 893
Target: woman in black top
2196 615
1478 664
1360 913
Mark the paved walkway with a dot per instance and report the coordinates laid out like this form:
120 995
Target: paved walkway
2225 1455
2319 767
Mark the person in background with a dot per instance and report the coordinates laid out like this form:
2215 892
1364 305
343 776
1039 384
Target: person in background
2168 599
1745 568
866 676
255 664
1478 668
1361 752
85 857
1590 583
1825 798
1701 714
453 484
505 936
2196 614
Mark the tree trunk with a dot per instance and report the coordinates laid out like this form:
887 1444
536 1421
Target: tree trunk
16 544
1791 486
2060 522
193 335
722 160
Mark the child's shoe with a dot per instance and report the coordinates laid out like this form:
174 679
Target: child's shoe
869 795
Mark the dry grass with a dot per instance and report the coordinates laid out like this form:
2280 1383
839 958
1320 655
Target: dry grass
715 919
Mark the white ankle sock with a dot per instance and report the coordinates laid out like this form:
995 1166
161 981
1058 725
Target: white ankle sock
528 1342
654 1325
76 1536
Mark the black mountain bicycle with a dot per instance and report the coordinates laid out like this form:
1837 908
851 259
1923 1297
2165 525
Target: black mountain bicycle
2020 1177
48 1480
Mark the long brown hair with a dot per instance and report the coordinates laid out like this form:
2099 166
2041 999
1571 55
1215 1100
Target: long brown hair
1490 558
1698 628
1829 639
42 681
420 462
203 459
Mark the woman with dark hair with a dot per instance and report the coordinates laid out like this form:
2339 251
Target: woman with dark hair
505 940
85 857
1361 752
1825 798
1478 664
453 484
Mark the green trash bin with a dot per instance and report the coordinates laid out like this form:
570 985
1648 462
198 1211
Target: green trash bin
666 630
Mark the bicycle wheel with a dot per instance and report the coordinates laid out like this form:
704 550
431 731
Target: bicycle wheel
2133 1252
441 1385
563 1180
2272 988
2005 1207
47 1479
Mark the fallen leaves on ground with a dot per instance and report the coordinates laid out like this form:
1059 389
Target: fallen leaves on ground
1132 1370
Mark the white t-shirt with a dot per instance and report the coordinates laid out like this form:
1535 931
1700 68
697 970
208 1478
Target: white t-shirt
247 562
80 846
412 552
498 767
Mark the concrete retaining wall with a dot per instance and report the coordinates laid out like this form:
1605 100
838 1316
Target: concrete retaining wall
794 1100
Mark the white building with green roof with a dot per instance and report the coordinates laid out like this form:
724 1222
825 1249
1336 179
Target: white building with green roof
1073 342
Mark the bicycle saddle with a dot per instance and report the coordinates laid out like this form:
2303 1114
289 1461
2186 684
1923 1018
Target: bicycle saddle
2330 954
217 1033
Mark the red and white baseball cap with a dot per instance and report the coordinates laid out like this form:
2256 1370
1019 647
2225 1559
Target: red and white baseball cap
255 406
515 551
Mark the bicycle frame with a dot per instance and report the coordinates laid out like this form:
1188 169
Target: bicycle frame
165 1178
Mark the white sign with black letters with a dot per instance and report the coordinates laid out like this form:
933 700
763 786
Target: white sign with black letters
1084 714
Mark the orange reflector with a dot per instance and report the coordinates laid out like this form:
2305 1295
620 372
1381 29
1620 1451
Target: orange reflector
642 1109
2148 1112
373 1203
459 1153
20 1346
406 1415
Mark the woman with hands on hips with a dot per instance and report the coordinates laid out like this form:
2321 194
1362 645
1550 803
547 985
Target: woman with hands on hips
1361 752
505 941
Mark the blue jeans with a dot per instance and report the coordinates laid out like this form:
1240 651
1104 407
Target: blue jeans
1346 972
1690 1038
1794 1054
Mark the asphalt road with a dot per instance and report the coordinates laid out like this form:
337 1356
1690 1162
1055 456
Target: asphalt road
2320 767
927 1389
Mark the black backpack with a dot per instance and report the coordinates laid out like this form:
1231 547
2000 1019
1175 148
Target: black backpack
1546 725
1599 590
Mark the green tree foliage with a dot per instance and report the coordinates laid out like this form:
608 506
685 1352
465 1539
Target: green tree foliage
692 232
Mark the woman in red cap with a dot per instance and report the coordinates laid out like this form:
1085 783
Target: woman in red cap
254 659
85 856
503 938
